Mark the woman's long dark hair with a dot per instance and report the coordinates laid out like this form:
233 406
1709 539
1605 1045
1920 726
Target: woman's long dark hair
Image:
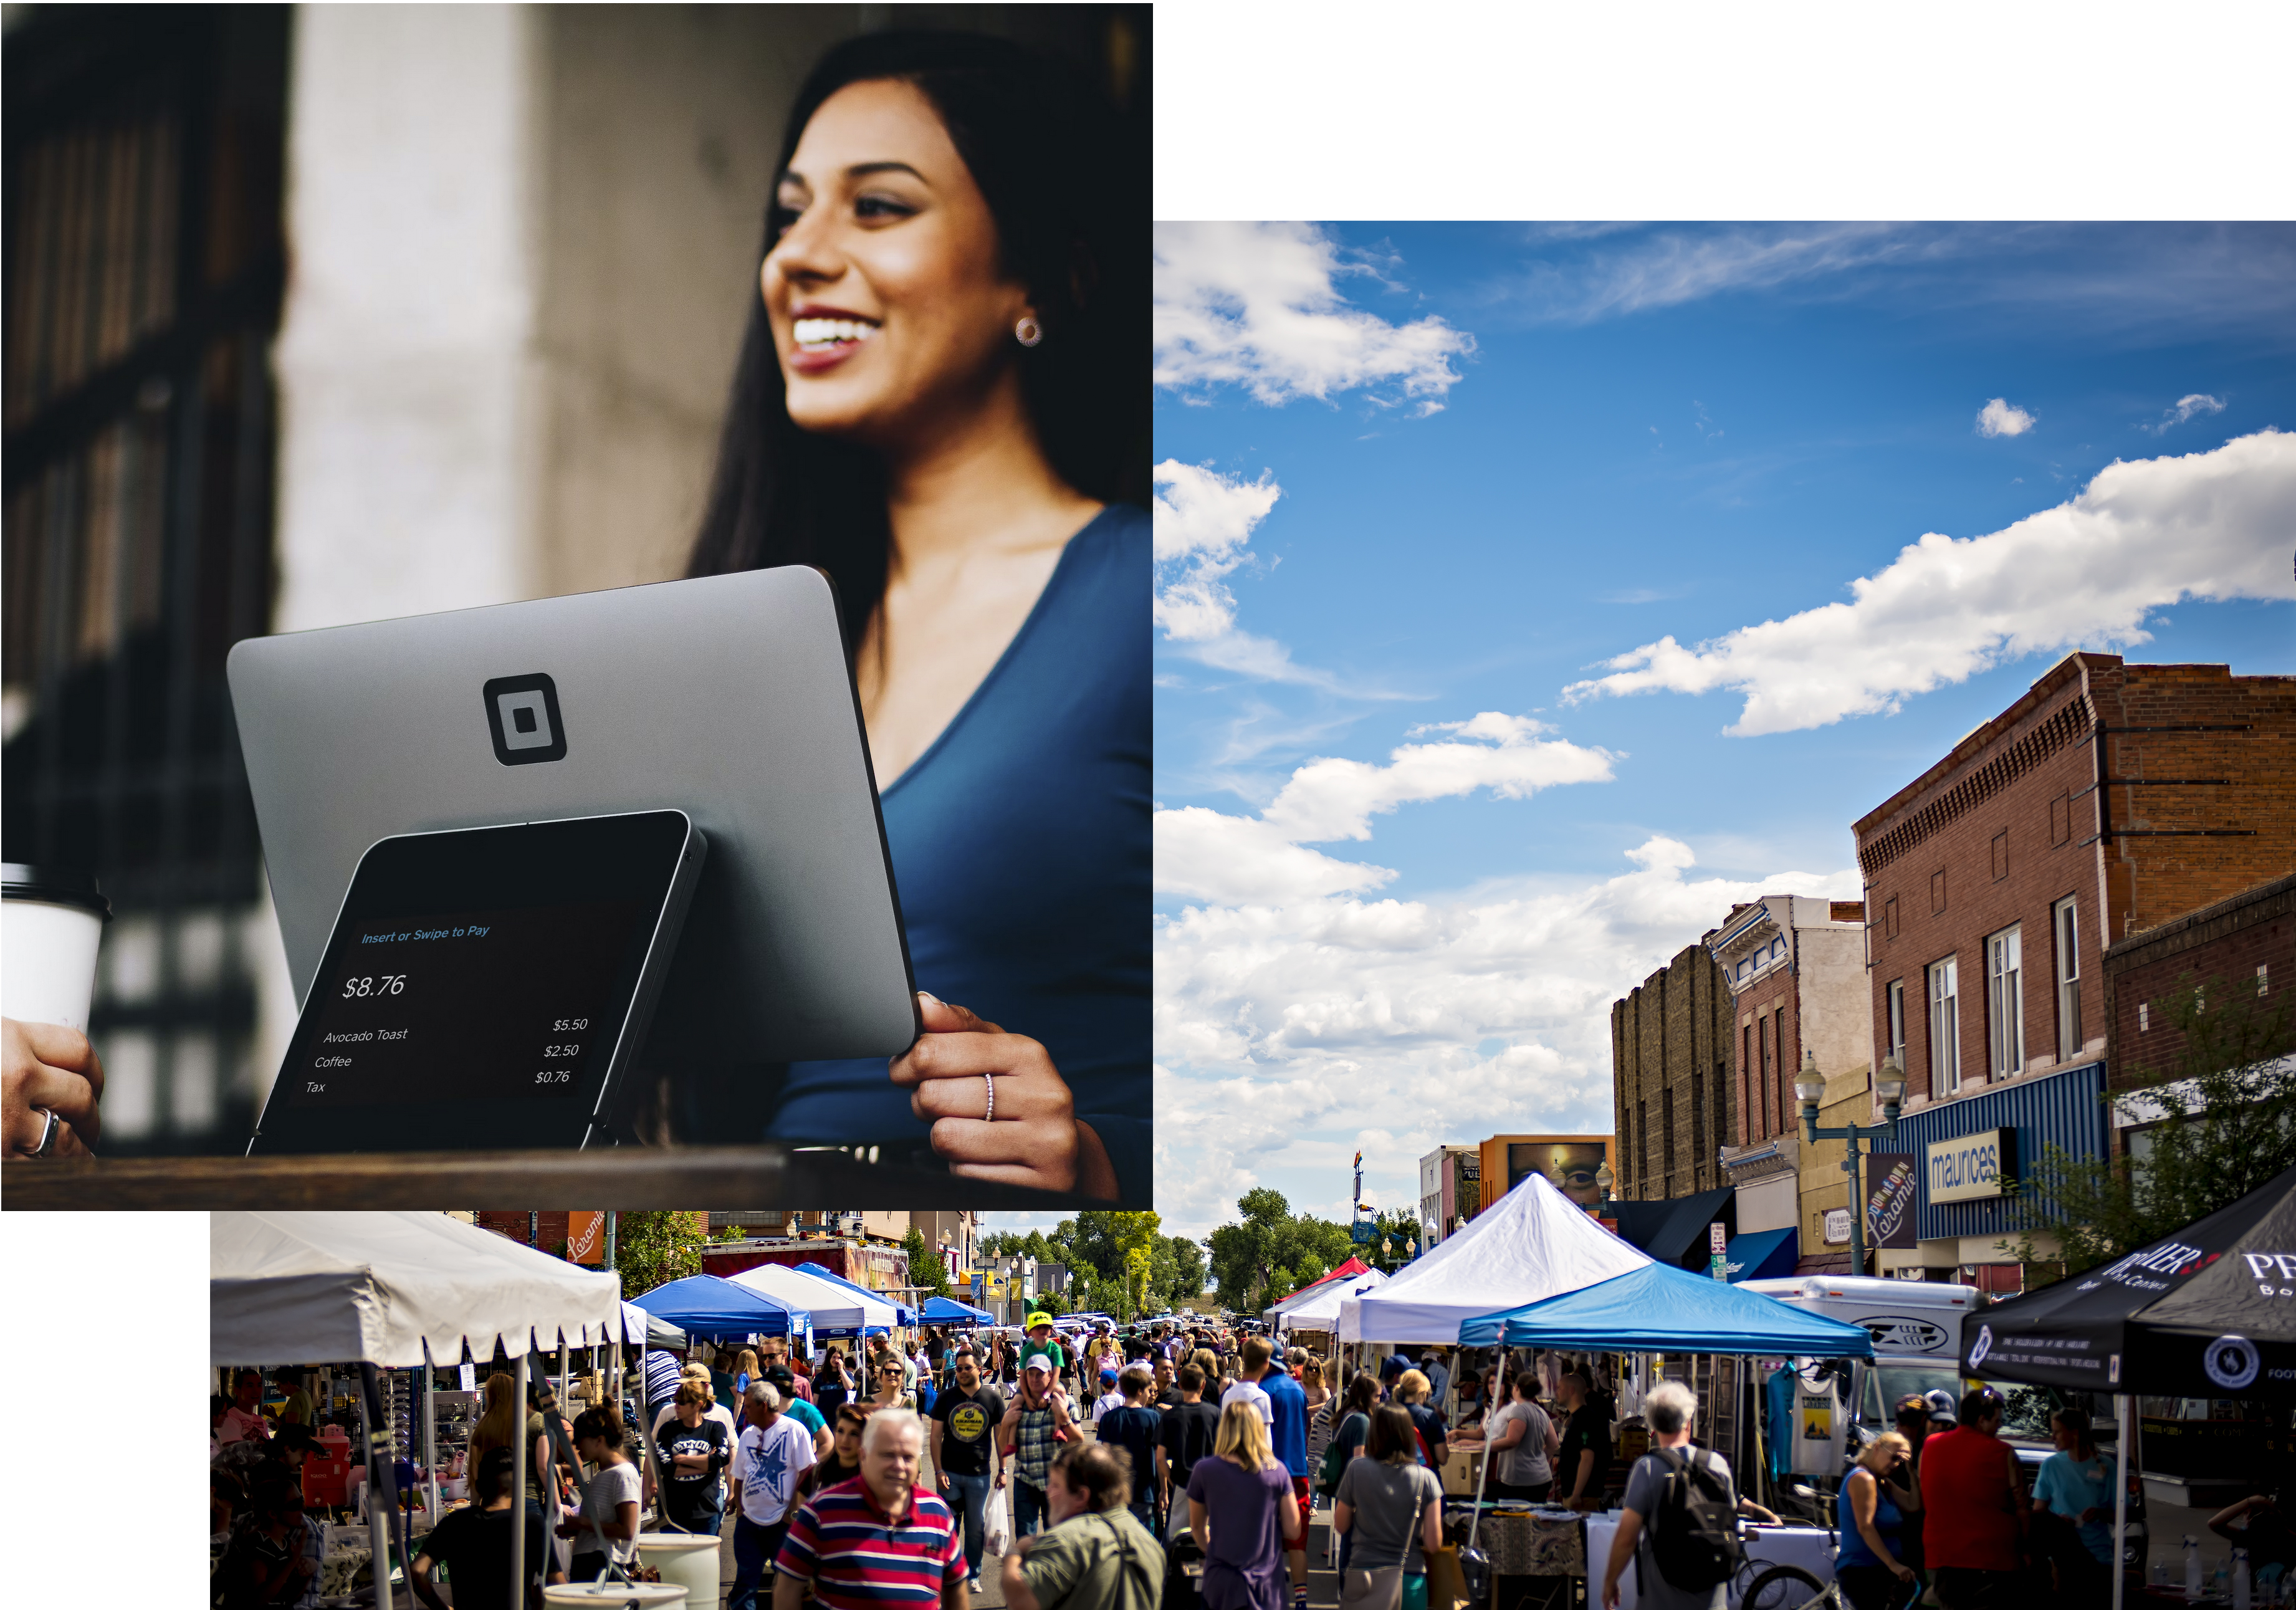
1067 183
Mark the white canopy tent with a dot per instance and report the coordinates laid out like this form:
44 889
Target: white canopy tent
393 1289
397 1289
1532 1243
1318 1308
833 1307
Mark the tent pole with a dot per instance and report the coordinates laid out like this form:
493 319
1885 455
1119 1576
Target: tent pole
375 1433
2121 1406
518 1457
1483 1469
430 1437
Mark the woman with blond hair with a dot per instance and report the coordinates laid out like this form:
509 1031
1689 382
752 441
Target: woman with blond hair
1868 1565
499 1425
1249 1490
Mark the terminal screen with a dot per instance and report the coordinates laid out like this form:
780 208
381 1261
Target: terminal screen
465 1006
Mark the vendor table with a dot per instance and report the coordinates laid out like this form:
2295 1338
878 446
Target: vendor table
1527 1543
1809 1548
621 1177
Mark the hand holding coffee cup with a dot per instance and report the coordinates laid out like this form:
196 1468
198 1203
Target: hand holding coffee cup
51 1080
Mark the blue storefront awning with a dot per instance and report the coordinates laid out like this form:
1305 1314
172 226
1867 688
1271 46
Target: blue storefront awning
1763 1254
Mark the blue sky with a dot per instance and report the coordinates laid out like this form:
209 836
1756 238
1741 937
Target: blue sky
1421 473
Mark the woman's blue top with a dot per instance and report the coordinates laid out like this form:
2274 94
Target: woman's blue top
1020 843
1887 1520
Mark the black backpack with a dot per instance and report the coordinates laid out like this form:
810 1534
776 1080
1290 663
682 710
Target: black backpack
1693 1529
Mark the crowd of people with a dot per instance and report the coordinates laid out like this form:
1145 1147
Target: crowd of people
1098 1462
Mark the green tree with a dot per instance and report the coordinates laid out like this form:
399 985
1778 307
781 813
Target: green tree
1269 1252
2234 1086
927 1271
654 1249
1185 1281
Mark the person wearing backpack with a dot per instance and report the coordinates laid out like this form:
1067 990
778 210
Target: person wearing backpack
1680 1523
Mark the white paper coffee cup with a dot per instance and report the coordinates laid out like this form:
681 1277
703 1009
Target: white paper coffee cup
51 925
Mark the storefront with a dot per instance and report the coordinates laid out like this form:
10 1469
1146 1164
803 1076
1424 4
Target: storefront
1968 1155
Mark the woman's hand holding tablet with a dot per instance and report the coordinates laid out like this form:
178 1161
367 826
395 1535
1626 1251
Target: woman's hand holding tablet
1032 1137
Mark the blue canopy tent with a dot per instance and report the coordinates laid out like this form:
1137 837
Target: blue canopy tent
908 1314
948 1310
703 1305
1659 1309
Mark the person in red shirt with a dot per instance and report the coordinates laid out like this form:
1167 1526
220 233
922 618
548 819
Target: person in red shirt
1974 1508
881 1540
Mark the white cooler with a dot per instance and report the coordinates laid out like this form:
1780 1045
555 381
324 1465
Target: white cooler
687 1559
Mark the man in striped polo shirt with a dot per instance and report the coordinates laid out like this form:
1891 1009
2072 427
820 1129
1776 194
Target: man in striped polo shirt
879 1540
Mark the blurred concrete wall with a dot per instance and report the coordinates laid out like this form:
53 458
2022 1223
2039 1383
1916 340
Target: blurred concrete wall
524 246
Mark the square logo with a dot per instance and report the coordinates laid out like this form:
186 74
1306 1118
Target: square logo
522 714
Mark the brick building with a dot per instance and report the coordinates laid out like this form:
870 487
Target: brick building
1448 1180
1670 1057
2242 949
1795 966
2111 799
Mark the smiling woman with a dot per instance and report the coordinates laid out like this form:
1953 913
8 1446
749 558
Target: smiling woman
942 403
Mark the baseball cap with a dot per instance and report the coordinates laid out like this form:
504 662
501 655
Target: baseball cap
1942 1406
1912 1403
1107 1378
1038 1361
1037 1320
781 1375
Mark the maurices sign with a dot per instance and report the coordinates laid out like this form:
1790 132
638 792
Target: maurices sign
1970 1167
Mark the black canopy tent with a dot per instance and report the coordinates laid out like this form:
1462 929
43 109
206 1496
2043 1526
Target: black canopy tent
2208 1311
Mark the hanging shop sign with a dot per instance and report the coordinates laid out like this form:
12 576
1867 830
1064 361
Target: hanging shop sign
1970 1167
1892 1191
1837 1226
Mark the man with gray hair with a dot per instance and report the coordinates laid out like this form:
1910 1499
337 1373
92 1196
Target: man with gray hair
881 1540
774 1450
1678 1526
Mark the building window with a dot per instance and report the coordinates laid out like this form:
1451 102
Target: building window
1697 1120
1748 1121
2000 855
1936 891
1945 1027
2005 1015
1721 1109
2143 1017
1895 1051
2064 922
1785 1078
1889 918
1762 1034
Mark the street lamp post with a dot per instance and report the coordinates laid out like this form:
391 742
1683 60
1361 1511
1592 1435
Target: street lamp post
1889 1089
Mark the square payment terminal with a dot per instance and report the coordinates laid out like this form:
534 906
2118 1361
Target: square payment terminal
486 988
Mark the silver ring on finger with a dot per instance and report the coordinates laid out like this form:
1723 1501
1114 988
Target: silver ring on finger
990 1115
47 1146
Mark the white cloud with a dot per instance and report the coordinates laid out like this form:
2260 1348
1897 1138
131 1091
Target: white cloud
2001 417
1289 1033
2140 537
1208 855
1666 268
1255 305
2187 407
1203 523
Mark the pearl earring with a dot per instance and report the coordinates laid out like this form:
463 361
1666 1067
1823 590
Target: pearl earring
1027 331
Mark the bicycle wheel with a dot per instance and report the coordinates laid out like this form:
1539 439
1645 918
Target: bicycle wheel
1782 1587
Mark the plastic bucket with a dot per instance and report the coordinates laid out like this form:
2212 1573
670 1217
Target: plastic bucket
616 1595
687 1557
